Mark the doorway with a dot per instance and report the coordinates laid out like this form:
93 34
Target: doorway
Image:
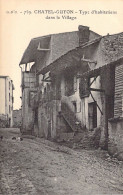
92 115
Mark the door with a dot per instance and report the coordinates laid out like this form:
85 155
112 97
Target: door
92 115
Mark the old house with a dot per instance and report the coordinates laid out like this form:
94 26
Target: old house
6 101
40 53
68 91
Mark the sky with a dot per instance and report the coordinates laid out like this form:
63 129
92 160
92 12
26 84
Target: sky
20 21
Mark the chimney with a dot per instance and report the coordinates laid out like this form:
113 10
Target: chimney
84 33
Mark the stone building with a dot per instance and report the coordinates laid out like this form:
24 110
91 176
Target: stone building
68 90
40 53
6 101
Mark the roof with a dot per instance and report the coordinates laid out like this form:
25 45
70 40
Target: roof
91 42
96 71
87 44
31 53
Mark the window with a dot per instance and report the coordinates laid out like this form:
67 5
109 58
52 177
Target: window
12 99
9 96
74 106
77 106
9 85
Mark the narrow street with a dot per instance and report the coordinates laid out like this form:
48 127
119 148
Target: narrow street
38 166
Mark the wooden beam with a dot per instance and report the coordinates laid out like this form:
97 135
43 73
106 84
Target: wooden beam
96 103
41 49
98 90
88 60
93 80
91 73
44 80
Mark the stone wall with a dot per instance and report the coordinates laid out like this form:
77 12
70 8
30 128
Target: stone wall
28 88
42 123
27 114
48 121
115 146
3 120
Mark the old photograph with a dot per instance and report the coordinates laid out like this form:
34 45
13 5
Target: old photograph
61 97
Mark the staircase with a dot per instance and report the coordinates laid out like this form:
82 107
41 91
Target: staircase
81 138
70 117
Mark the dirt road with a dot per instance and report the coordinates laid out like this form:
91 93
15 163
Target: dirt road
37 166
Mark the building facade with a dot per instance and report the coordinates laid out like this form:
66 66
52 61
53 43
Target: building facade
68 91
6 101
41 53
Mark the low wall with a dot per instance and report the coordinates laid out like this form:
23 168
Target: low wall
115 145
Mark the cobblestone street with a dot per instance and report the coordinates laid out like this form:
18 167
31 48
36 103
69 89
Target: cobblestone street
38 166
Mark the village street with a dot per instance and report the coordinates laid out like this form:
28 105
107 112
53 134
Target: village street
38 166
